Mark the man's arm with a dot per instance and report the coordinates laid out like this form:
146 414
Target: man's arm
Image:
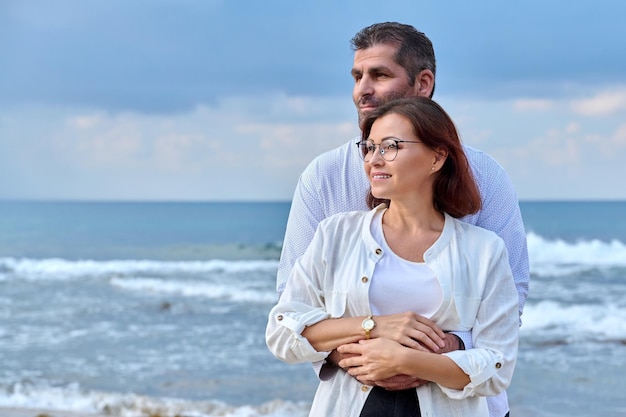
501 214
304 215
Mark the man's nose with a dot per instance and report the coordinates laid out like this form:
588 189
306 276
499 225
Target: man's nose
364 87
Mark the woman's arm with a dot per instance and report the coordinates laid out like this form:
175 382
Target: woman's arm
329 334
408 329
379 359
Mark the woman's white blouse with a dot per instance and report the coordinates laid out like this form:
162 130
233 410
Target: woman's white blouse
332 280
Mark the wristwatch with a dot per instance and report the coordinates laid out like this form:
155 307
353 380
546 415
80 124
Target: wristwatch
368 324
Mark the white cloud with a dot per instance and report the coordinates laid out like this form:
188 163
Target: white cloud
85 121
533 104
173 152
619 138
549 149
572 128
604 103
297 144
255 148
220 152
553 149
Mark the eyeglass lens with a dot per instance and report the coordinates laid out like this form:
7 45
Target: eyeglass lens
388 149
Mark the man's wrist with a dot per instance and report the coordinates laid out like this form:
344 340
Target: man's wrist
461 344
453 342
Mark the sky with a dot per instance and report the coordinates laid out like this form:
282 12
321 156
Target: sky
190 100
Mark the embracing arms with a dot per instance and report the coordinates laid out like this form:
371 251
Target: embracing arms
409 329
405 341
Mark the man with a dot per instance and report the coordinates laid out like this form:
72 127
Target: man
393 60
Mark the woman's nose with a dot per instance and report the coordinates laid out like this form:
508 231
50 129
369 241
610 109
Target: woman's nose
377 157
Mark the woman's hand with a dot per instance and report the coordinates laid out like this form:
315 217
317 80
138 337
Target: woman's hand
411 330
396 382
380 359
372 360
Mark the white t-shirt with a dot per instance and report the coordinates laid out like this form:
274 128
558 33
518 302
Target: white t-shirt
397 279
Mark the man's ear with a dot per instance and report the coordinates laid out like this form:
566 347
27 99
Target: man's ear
424 83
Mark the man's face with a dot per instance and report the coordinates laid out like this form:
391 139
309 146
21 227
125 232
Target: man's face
378 79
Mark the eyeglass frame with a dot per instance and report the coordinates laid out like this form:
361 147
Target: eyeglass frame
381 151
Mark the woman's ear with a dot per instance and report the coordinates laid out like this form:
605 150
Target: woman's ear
440 158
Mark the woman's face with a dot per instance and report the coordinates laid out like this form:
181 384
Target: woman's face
410 175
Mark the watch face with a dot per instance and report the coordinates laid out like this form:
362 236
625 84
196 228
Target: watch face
368 324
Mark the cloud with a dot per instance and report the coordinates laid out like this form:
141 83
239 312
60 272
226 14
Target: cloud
167 57
613 145
604 103
219 152
286 145
85 121
553 149
619 138
533 104
548 149
572 128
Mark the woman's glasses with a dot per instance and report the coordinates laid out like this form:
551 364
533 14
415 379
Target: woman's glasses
388 148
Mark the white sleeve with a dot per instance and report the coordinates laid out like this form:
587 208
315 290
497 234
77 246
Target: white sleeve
303 303
501 214
491 362
304 215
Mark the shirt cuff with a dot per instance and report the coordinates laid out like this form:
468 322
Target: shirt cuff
466 338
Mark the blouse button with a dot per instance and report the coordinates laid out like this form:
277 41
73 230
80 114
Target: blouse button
279 317
364 280
365 388
379 251
498 365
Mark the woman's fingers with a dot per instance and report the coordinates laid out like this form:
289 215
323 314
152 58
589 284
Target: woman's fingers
412 330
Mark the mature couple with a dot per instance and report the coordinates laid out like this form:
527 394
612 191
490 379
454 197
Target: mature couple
403 305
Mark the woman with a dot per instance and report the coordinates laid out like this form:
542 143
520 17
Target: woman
369 279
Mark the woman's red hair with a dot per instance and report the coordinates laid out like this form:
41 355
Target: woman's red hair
454 189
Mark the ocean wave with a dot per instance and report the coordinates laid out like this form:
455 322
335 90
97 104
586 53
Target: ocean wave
575 322
62 269
548 257
73 398
237 290
558 257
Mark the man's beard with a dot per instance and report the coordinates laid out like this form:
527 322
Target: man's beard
370 100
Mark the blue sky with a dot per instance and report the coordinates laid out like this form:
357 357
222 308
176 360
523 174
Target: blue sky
229 100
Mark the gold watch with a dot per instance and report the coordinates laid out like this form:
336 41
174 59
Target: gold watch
368 324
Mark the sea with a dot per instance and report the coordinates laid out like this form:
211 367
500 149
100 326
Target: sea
159 309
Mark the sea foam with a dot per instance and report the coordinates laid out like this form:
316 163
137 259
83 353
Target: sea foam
62 269
558 257
74 399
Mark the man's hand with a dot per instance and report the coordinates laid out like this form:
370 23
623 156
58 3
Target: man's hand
335 357
400 382
453 342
